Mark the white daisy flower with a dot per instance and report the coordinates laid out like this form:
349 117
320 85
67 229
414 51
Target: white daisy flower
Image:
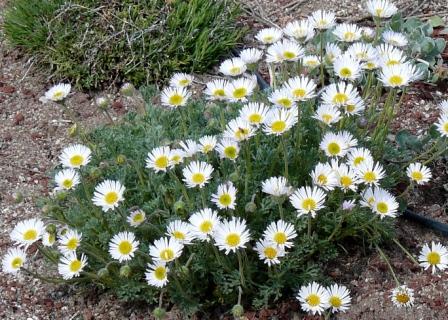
225 197
239 89
280 233
308 200
70 266
156 274
231 235
233 67
392 57
269 252
239 129
346 177
300 30
123 245
357 156
339 93
322 19
354 107
313 298
369 172
442 125
332 51
368 197
337 144
207 144
338 298
285 50
301 88
347 32
434 257
75 156
66 179
108 195
176 156
26 232
254 113
418 173
327 114
70 241
181 80
136 218
443 106
175 97
190 147
197 174
251 55
165 249
228 149
13 260
347 68
402 296
48 239
362 52
381 8
393 38
279 121
215 89
348 205
269 35
158 159
324 176
368 33
282 98
58 92
276 186
203 223
180 231
371 64
385 204
397 76
311 61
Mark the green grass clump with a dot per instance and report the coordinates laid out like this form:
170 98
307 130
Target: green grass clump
94 42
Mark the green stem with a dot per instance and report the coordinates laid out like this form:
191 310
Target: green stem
388 264
183 188
411 257
203 197
285 155
280 208
322 77
310 221
241 269
46 279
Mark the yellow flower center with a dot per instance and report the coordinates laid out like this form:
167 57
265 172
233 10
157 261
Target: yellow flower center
340 98
235 70
167 254
176 159
255 118
361 55
125 247
178 235
289 55
417 176
299 93
349 36
402 297
370 176
67 183
219 93
76 160
225 199
311 63
378 12
176 99
230 152
72 244
75 265
241 133
184 82
198 178
280 238
309 204
445 127
350 108
111 197
138 218
345 73
206 148
233 239
161 162
285 102
270 252
335 301
58 95
371 200
160 273
278 126
346 181
322 22
239 93
433 258
322 179
392 62
382 207
327 118
357 161
206 226
370 65
30 235
334 148
313 300
17 262
268 38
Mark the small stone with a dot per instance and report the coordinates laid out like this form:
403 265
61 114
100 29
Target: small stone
18 118
7 89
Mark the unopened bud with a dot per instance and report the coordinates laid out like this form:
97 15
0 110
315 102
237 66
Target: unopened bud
179 206
121 159
103 273
159 313
125 271
73 130
237 311
127 89
234 177
102 103
51 228
61 195
18 197
250 207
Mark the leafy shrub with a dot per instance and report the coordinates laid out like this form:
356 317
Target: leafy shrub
93 42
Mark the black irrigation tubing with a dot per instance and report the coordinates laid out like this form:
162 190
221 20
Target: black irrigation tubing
407 214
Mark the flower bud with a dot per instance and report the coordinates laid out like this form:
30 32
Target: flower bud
46 209
18 197
125 271
102 103
237 311
127 89
159 313
73 130
94 173
362 122
51 228
234 177
103 273
61 195
121 159
250 207
179 206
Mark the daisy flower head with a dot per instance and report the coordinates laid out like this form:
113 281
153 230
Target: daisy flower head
322 19
368 33
228 148
337 144
434 257
332 51
136 218
239 129
442 125
269 252
348 205
225 197
339 94
276 186
108 195
75 156
239 89
385 204
180 231
175 97
397 76
69 241
338 298
176 156
123 245
165 249
48 239
231 235
233 67
13 260
285 50
158 159
357 156
324 176
362 51
418 173
215 89
311 61
197 174
26 232
354 107
370 172
203 223
371 64
313 298
300 30
190 147
347 68
251 56
308 200
368 197
70 266
207 144
280 233
443 106
181 80
278 121
347 32
269 35
301 88
347 178
327 114
393 38
66 179
156 274
58 92
392 57
381 8
254 113
402 296
282 98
